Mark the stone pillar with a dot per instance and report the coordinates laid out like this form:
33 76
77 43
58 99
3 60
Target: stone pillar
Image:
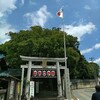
67 84
28 80
63 86
12 89
59 80
22 79
8 90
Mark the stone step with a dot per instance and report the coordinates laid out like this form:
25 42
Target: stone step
55 98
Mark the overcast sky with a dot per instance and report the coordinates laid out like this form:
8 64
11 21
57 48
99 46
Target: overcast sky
81 19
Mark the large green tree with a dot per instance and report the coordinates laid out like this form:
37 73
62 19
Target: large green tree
41 42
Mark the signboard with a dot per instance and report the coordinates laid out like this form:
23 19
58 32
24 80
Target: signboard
37 87
43 73
31 88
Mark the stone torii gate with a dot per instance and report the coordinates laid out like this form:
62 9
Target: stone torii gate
62 90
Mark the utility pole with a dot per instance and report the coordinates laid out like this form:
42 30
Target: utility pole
95 77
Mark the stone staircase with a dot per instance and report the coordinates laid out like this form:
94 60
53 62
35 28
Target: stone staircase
49 98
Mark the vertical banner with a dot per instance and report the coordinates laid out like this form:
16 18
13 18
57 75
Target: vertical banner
32 88
18 87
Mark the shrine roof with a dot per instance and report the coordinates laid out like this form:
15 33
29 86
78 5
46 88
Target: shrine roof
11 73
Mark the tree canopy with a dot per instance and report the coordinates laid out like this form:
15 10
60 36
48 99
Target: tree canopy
41 42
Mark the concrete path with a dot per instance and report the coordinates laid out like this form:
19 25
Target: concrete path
83 94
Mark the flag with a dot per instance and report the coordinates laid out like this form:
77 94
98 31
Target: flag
60 13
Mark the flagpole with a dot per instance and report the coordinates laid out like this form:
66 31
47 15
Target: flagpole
64 42
66 90
67 80
60 14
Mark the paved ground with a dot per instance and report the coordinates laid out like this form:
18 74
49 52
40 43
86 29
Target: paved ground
83 94
80 94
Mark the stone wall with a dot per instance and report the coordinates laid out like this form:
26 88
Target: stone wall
78 84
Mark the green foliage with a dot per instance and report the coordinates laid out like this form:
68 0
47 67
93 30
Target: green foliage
73 59
93 70
41 42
